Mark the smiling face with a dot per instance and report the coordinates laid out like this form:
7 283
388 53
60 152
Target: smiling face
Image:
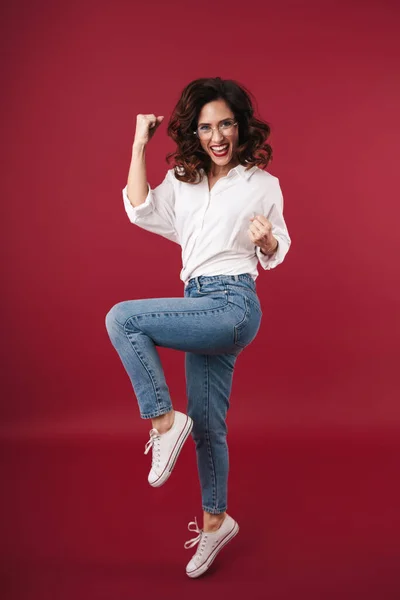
212 114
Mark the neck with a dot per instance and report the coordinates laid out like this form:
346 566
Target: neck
219 171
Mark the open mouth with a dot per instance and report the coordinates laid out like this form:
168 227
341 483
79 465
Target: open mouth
220 150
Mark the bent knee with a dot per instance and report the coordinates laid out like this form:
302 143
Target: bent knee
115 317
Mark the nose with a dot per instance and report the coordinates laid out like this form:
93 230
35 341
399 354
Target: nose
216 135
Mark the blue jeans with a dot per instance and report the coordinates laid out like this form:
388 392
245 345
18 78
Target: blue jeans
216 319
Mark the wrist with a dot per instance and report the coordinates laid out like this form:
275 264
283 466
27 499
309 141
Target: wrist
270 250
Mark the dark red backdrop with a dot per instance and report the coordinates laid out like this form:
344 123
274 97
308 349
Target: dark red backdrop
322 375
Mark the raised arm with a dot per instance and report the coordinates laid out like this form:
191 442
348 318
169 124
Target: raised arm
137 188
150 209
156 213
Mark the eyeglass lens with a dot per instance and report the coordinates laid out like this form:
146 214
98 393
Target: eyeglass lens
225 127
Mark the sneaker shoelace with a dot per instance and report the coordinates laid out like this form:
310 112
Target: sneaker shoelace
200 539
154 442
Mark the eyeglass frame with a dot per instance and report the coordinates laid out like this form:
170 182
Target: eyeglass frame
212 128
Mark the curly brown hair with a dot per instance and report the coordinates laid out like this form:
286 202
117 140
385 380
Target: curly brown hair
189 156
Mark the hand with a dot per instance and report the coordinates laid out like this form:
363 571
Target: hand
260 232
146 126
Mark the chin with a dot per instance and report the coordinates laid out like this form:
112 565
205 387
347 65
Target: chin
224 160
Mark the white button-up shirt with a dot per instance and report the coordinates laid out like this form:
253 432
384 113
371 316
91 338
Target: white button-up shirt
212 226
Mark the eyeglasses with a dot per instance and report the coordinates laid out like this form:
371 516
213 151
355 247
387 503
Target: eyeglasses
226 127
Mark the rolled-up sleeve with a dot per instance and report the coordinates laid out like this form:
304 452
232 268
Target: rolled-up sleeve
279 230
157 213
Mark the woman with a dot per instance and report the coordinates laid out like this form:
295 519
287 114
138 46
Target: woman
225 212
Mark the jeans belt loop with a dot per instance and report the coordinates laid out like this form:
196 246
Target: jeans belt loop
197 283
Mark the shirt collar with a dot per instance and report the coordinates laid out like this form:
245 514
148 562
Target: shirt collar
241 171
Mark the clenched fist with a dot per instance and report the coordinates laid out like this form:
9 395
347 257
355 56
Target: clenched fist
260 232
146 126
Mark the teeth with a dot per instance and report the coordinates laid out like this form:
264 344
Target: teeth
219 148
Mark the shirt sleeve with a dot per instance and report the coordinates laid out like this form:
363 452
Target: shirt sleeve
279 230
157 213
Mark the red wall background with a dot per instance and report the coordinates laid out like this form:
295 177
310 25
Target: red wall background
325 75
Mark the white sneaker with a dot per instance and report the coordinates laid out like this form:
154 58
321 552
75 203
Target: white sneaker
210 543
166 447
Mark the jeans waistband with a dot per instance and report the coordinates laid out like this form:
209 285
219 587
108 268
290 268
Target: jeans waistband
222 278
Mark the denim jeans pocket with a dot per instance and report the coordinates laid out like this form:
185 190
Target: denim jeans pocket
215 289
246 330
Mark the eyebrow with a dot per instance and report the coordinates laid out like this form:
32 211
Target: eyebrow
226 119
